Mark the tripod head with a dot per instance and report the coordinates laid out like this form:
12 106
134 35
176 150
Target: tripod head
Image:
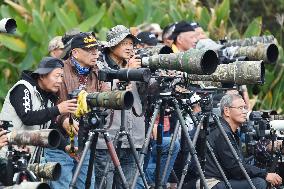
96 118
206 103
16 167
121 85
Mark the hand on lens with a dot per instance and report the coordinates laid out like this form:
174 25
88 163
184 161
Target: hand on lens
68 106
3 138
134 62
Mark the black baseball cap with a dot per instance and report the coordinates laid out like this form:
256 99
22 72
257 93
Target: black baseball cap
180 27
84 40
147 38
66 39
47 64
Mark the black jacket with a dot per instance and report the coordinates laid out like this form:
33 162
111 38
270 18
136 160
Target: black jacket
225 157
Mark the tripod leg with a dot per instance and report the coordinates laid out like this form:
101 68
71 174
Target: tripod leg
218 165
159 147
115 160
144 149
78 168
217 121
185 169
107 166
198 128
173 139
201 144
193 151
91 161
134 153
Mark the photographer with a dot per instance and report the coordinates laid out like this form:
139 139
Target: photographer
184 37
79 73
55 47
233 111
119 54
29 104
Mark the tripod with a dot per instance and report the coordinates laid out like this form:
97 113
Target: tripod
97 120
117 142
206 106
16 169
201 132
166 98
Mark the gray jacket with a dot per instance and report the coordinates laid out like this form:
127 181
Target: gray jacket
133 124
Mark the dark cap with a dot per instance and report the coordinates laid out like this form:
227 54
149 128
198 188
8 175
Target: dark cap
180 27
47 64
66 39
84 40
147 38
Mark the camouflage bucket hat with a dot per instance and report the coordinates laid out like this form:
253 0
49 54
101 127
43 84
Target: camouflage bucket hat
117 34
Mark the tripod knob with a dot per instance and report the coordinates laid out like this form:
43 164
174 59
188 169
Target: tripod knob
94 121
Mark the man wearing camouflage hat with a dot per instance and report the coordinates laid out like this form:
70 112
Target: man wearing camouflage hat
119 54
55 47
79 73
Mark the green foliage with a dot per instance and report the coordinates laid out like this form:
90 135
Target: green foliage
39 21
254 29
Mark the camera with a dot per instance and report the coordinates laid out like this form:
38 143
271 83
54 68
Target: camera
136 74
193 61
8 25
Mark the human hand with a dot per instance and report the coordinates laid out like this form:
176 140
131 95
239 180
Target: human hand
3 138
134 62
66 126
274 179
68 106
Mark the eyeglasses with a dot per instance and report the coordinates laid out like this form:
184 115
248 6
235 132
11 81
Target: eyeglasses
93 51
241 108
124 43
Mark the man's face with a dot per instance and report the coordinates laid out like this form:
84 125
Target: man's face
124 49
186 40
86 57
237 112
200 33
56 53
168 42
51 81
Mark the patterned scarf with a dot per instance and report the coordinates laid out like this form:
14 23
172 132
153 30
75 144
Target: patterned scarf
80 69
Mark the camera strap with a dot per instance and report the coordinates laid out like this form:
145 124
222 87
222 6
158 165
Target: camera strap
110 118
142 113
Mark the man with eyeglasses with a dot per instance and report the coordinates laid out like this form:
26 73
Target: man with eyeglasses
234 113
118 53
80 72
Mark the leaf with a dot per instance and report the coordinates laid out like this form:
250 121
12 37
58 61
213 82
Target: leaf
93 20
254 28
20 9
223 12
5 12
204 18
28 61
64 19
13 43
39 27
